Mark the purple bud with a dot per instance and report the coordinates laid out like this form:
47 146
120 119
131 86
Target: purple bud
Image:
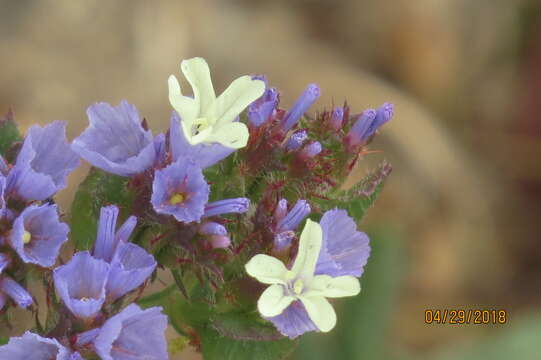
283 240
261 110
16 292
212 228
336 119
227 206
281 210
296 140
368 123
294 217
307 98
219 241
311 150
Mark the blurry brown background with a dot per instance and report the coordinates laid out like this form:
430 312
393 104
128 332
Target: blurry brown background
464 200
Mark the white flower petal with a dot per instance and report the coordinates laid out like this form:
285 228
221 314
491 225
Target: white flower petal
238 95
341 286
234 135
197 72
320 312
266 269
186 107
273 301
309 248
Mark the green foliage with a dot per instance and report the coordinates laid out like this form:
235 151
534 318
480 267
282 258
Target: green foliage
97 190
3 340
221 335
239 336
361 197
9 134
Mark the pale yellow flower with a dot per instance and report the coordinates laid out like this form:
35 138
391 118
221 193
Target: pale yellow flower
300 283
206 118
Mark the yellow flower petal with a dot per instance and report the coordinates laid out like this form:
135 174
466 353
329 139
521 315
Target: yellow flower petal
234 135
238 95
273 301
186 107
341 286
320 312
309 248
197 72
266 269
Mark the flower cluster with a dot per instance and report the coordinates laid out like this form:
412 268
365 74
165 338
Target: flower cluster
219 200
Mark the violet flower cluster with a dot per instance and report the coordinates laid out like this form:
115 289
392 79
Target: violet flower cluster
226 200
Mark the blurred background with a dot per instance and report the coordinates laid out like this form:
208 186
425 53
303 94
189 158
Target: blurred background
457 225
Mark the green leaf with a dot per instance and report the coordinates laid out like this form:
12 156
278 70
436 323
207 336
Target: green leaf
362 196
3 340
239 336
97 190
9 134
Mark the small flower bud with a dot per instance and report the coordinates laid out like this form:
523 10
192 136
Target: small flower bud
311 150
307 98
296 140
336 118
212 228
219 241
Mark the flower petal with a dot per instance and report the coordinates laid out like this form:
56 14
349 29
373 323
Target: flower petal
341 286
238 95
273 301
266 269
320 311
185 106
234 135
309 248
197 72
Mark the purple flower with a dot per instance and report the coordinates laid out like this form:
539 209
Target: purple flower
115 141
16 292
296 140
81 284
311 150
293 321
204 155
300 210
44 162
37 235
180 190
130 267
133 334
344 250
367 124
227 206
130 264
35 347
261 110
307 98
108 239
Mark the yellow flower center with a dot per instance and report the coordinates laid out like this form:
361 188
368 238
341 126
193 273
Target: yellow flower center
26 237
177 199
298 286
289 275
